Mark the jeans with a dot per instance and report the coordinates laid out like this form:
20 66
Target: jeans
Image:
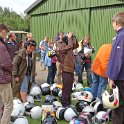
78 70
87 66
98 85
51 73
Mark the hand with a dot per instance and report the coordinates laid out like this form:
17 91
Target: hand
17 79
111 83
70 34
87 55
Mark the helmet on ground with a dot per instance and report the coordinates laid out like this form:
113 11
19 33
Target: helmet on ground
44 85
97 105
87 89
101 117
30 99
35 90
89 109
46 91
60 113
86 96
60 94
36 112
21 120
18 108
49 119
69 113
28 106
55 91
75 95
111 101
56 105
79 87
53 86
74 86
50 99
80 105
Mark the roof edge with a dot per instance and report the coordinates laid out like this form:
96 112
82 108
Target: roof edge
32 6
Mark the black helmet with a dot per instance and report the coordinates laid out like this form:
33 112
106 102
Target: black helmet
80 105
55 91
49 119
50 99
46 91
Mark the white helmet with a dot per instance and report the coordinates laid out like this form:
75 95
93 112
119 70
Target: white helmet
97 105
86 96
74 85
74 96
79 87
89 109
53 86
18 108
35 90
44 85
111 101
36 112
69 113
30 99
101 117
60 113
57 104
21 120
87 50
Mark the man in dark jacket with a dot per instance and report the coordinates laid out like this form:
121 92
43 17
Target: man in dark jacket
115 71
6 97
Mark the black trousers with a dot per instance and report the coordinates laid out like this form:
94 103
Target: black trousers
118 113
67 80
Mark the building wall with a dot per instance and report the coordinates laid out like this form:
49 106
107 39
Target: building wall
82 17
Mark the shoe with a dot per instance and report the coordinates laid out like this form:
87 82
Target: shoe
37 98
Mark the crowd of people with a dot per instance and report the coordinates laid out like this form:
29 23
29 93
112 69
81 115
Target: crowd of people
63 58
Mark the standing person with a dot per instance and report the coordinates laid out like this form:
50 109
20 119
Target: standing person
12 44
44 48
68 65
23 67
98 69
115 71
6 97
87 59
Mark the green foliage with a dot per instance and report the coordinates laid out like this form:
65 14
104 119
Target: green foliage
13 20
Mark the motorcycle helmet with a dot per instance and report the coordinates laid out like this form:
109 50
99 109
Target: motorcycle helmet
56 105
44 85
87 89
18 108
35 90
46 91
21 120
55 91
30 99
49 119
101 117
79 87
86 96
80 105
36 112
28 106
89 109
60 113
69 113
50 99
75 95
97 105
111 101
53 86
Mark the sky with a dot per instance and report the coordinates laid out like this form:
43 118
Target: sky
18 6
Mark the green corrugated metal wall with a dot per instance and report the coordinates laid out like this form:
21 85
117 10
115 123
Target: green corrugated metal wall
89 17
50 24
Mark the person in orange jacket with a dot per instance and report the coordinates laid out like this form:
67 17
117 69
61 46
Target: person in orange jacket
98 69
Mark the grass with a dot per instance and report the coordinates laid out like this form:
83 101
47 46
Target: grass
32 121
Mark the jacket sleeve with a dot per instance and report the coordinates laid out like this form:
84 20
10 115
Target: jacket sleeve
116 58
16 63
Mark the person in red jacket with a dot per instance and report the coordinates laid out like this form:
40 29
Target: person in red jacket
6 97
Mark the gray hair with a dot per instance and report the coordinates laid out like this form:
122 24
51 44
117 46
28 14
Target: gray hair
119 18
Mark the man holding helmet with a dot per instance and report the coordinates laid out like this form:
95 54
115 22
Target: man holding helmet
115 71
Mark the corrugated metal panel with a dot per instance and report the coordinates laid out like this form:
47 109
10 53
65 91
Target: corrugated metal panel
75 21
101 29
62 5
